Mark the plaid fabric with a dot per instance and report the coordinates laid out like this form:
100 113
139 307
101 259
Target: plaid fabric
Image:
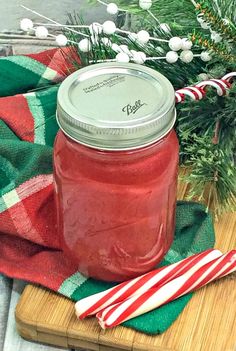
29 245
27 130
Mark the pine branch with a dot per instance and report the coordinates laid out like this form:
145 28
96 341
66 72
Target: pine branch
218 23
206 118
213 175
221 51
171 12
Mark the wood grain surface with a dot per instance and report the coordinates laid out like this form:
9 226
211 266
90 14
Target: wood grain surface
208 322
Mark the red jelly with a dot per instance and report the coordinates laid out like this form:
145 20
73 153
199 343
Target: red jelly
115 178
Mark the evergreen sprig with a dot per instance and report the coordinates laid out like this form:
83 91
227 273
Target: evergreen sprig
179 12
213 174
208 143
220 49
210 13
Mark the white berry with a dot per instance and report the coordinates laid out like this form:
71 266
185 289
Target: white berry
109 27
186 56
175 43
133 52
145 4
41 32
205 56
122 57
165 27
204 25
85 45
143 37
26 24
216 37
61 40
200 18
139 57
186 44
226 21
112 8
172 57
202 76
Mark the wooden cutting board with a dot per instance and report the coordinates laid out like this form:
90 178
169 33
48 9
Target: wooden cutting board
208 322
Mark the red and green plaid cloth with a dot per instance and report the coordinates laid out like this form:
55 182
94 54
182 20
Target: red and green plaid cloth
29 245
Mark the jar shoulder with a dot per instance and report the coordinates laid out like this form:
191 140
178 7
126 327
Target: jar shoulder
64 145
74 160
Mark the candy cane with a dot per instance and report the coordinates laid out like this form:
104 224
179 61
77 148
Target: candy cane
92 304
198 91
155 297
179 97
219 84
229 76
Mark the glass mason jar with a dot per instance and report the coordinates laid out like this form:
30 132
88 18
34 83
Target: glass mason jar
115 169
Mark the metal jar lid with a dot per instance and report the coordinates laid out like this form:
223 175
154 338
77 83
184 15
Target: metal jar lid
116 106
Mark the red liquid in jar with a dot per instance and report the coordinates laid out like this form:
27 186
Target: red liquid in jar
116 209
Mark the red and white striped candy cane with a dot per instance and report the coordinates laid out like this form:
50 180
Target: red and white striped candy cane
220 85
198 91
158 277
155 297
229 76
